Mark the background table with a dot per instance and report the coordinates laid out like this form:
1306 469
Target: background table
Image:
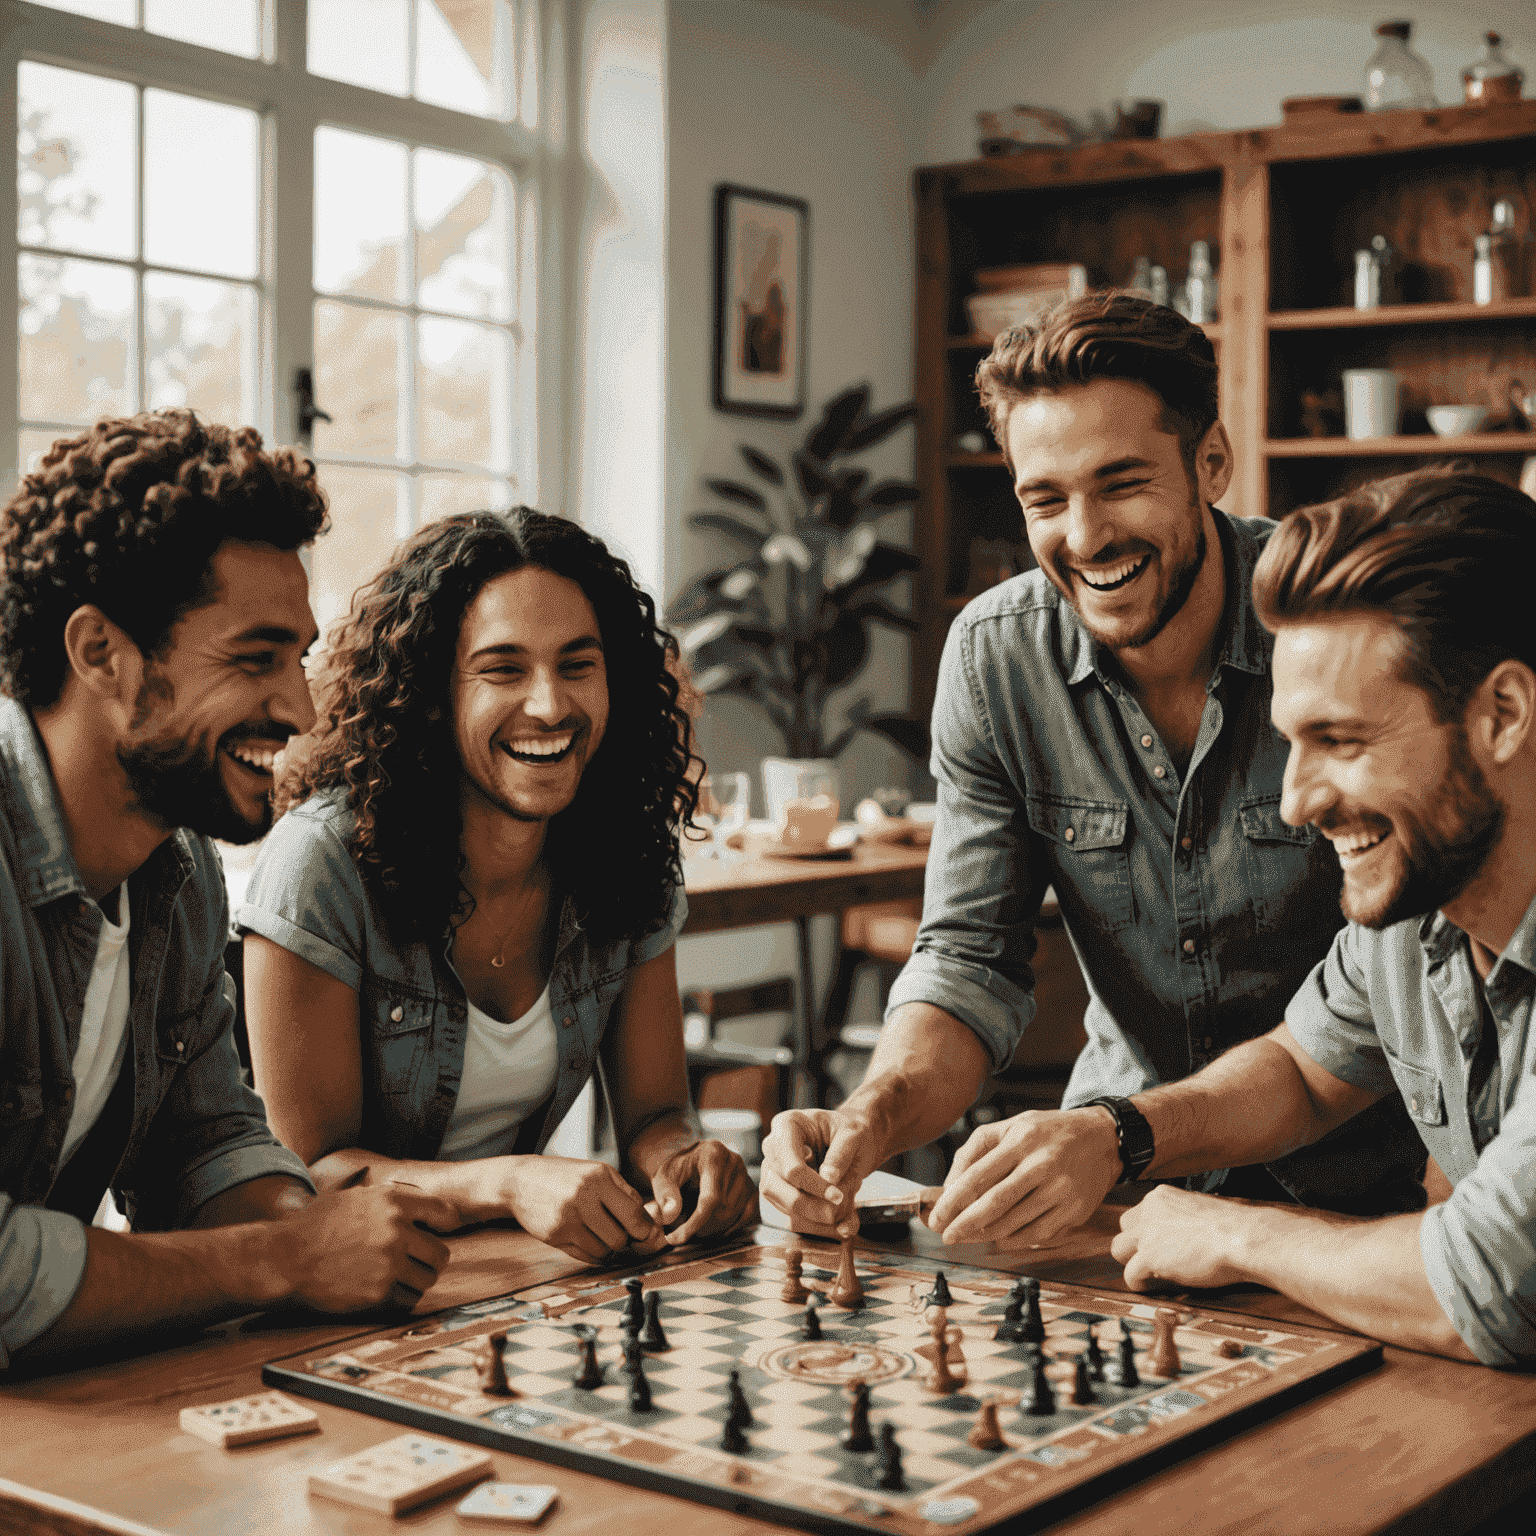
1422 1445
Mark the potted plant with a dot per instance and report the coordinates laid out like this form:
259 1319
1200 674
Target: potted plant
786 623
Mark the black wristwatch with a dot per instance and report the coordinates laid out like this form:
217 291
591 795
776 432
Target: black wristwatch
1132 1132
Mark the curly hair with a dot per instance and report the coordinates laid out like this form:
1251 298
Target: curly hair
1106 336
383 739
128 516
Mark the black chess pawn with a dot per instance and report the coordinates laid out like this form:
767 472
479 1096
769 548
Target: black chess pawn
888 1460
1082 1382
939 1296
1013 1316
1095 1356
639 1387
811 1328
732 1439
739 1409
1126 1374
1032 1329
651 1336
590 1377
633 1315
858 1437
1039 1397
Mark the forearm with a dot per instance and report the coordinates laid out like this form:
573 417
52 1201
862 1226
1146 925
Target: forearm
925 1073
476 1188
264 1199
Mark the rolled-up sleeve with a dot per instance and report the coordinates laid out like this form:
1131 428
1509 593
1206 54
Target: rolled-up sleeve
1331 1016
982 891
659 942
42 1261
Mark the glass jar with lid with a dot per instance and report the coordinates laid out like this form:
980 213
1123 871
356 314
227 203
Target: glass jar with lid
1395 75
1492 77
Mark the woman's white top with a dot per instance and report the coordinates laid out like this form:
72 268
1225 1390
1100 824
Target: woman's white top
509 1070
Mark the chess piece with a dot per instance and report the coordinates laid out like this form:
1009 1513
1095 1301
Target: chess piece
794 1291
633 1315
846 1291
811 1327
1229 1349
942 1379
858 1437
939 1296
1126 1374
888 1460
1040 1399
1013 1316
1082 1382
1032 1329
1163 1357
651 1336
732 1439
590 1377
1095 1356
639 1387
985 1435
739 1409
491 1366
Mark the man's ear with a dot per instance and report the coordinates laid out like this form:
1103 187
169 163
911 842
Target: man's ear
1506 703
102 656
1213 464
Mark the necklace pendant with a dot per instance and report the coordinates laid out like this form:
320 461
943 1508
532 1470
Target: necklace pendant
497 962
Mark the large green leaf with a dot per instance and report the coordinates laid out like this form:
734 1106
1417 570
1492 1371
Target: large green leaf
885 563
703 595
733 527
837 422
877 612
876 428
742 495
761 464
846 647
843 505
814 481
893 493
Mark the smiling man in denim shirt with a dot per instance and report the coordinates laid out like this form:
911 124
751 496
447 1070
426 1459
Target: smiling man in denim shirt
1101 727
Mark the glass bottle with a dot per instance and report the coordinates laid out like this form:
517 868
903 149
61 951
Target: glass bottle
1396 76
1492 77
1200 285
1141 278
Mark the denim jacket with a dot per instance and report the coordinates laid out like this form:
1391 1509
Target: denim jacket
1194 910
196 1130
307 894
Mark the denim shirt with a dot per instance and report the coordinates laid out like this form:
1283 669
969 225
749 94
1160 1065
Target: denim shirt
196 1130
1400 1008
1194 910
307 894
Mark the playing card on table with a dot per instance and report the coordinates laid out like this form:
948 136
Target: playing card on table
245 1420
506 1503
401 1473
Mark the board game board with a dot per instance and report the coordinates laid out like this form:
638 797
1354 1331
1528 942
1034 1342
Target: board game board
724 1311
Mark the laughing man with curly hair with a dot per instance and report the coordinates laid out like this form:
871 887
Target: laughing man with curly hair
154 613
473 898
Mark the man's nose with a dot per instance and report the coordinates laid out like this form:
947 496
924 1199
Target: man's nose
293 704
1304 793
1088 530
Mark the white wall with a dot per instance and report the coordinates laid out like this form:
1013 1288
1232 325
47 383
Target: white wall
1216 63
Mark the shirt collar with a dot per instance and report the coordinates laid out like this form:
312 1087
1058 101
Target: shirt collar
47 866
1245 644
1440 936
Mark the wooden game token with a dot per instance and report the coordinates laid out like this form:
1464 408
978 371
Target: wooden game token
1163 1357
652 1336
858 1438
507 1504
985 1434
492 1367
399 1474
888 1460
1229 1349
248 1420
794 1291
846 1291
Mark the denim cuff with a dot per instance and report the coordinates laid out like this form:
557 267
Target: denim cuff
300 942
994 1009
42 1262
233 1166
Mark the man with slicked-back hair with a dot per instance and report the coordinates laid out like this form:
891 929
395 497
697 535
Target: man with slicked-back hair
1101 727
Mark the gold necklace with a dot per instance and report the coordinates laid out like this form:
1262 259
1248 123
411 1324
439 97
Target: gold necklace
497 962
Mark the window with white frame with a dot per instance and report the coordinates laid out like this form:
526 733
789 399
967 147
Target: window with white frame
211 199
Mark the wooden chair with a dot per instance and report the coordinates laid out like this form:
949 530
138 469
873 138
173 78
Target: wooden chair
731 1074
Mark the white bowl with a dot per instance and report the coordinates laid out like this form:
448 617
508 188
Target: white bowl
1456 420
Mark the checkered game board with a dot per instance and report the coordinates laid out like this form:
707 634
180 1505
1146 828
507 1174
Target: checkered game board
724 1312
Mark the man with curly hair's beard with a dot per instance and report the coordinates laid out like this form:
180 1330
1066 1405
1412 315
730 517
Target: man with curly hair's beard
154 616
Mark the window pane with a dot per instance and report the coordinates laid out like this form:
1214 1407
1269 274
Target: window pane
200 346
75 159
442 495
359 360
464 414
362 41
120 11
462 54
360 215
232 26
463 235
202 184
76 339
368 506
31 445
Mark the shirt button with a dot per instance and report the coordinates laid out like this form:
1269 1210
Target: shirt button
181 1047
567 1021
574 1063
1159 772
69 1094
1413 1104
396 1014
1146 741
1186 843
1206 1043
1070 835
1189 946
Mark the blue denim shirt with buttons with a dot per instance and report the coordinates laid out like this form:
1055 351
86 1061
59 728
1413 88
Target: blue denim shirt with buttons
1194 909
307 894
1400 1008
195 1130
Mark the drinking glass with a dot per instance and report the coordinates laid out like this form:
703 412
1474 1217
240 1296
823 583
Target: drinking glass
724 803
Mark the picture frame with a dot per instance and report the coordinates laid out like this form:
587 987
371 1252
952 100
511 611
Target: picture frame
761 288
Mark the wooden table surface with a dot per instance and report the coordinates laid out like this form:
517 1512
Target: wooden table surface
1420 1445
762 888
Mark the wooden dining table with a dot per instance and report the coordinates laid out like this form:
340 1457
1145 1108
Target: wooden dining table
1417 1445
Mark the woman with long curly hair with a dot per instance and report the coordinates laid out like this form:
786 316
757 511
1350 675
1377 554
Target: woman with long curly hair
473 894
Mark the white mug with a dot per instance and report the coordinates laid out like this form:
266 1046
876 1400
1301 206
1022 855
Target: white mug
1528 477
1370 403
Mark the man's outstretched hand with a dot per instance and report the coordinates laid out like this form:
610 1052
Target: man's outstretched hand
813 1163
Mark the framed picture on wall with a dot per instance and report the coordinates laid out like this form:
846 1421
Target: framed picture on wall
760 298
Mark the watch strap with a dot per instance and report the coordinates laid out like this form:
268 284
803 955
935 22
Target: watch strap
1132 1132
